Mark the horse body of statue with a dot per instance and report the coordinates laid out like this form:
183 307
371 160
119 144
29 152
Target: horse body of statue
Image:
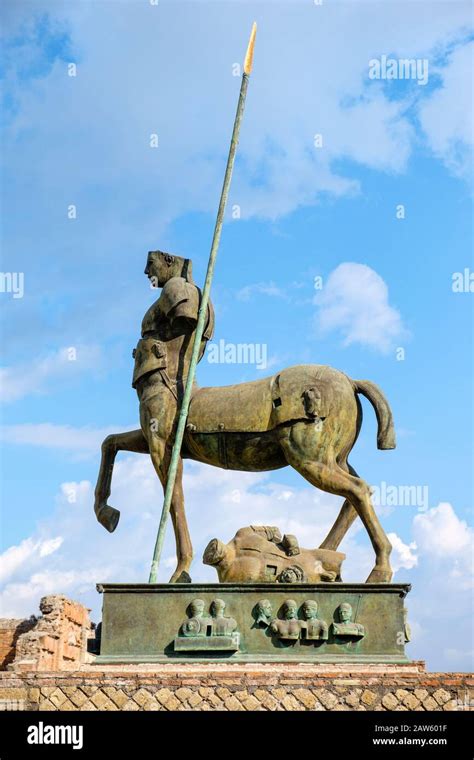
307 416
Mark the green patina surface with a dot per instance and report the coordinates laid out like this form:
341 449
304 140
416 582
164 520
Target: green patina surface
141 622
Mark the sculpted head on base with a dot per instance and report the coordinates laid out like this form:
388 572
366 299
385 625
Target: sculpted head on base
217 608
264 612
196 608
345 612
310 610
290 609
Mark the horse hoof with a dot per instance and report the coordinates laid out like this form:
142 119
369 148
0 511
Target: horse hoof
108 517
380 575
183 577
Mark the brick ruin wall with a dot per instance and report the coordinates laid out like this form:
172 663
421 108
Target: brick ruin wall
243 687
57 640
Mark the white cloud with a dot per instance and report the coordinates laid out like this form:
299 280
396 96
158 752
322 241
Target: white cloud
21 598
446 116
446 542
354 302
40 374
50 546
261 288
84 440
17 557
441 533
403 555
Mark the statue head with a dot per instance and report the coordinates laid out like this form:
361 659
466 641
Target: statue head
162 266
292 574
214 552
310 609
345 612
217 608
264 611
196 608
290 545
290 609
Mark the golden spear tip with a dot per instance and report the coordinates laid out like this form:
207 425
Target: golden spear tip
249 54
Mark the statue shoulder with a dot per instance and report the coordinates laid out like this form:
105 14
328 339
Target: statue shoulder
176 291
180 300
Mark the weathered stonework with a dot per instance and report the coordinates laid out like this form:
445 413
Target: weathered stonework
10 631
55 641
295 687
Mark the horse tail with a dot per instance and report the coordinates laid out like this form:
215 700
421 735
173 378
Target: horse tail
386 430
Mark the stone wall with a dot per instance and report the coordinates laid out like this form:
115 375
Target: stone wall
10 630
55 641
239 687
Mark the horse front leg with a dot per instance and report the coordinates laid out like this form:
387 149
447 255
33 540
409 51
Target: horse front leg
135 441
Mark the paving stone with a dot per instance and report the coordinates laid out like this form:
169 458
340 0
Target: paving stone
47 705
290 703
430 704
451 705
195 699
152 705
411 702
326 698
215 702
421 694
183 693
141 696
266 699
442 696
77 697
68 706
368 697
389 701
171 704
401 694
88 706
89 690
162 695
119 698
99 699
233 704
306 697
251 703
130 706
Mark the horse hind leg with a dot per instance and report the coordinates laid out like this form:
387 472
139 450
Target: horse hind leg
133 440
333 479
343 522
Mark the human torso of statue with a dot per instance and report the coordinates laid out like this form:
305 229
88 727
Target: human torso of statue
168 328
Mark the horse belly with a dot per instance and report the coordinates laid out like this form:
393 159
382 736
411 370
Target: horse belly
247 452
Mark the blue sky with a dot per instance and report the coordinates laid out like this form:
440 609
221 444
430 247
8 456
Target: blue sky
386 310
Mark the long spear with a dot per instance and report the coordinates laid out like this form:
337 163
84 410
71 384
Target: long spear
202 312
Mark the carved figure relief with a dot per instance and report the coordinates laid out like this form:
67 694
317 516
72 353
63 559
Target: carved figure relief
345 627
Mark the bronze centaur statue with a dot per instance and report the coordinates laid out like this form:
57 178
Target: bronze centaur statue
308 416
